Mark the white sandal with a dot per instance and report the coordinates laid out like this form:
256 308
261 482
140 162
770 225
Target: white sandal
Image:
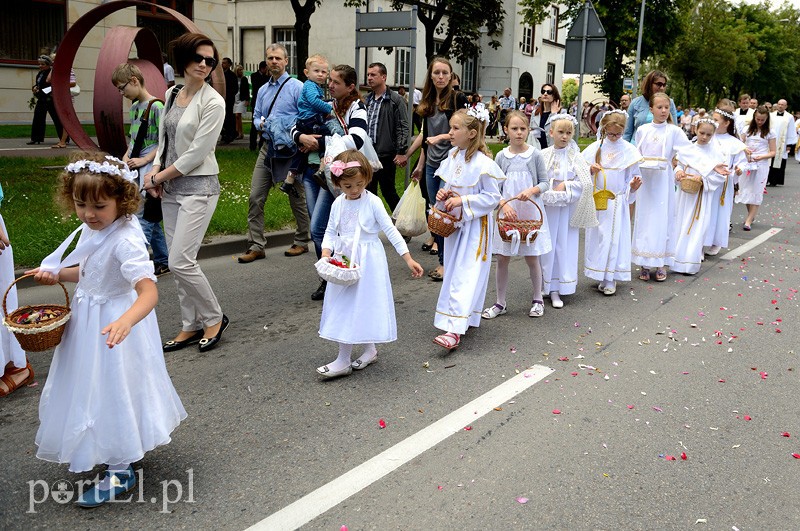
493 311
537 310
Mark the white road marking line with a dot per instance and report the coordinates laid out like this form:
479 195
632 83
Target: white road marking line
324 498
758 240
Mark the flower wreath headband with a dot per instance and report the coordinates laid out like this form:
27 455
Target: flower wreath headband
479 111
618 111
706 121
564 116
100 168
726 114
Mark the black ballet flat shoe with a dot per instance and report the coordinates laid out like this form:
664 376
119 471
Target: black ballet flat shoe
172 345
33 143
207 343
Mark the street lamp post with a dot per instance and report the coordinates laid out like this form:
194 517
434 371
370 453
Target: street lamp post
638 51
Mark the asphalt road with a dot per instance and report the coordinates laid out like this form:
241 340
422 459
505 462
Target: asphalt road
658 370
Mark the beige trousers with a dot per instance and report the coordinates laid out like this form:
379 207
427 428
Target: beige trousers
186 219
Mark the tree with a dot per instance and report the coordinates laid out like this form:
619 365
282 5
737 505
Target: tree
620 19
460 22
302 29
711 31
569 91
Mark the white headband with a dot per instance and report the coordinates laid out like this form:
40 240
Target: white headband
479 112
724 113
100 168
706 121
565 116
618 111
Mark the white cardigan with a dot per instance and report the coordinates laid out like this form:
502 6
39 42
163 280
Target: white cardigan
197 133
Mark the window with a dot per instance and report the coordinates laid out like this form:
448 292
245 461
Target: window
437 45
551 74
286 37
527 40
31 28
468 75
553 35
402 67
163 25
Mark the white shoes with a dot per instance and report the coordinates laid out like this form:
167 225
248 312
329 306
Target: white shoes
713 250
494 311
555 299
537 310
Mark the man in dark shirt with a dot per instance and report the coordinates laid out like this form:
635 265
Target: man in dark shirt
231 88
257 80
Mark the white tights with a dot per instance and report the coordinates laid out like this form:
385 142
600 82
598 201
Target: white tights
502 277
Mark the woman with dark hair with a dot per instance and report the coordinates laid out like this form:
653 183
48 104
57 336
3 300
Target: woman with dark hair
350 122
439 102
639 110
185 176
44 102
549 106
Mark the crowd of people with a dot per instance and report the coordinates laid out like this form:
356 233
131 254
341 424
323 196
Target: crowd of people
330 157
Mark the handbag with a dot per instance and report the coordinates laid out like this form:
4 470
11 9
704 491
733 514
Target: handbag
344 276
337 144
409 214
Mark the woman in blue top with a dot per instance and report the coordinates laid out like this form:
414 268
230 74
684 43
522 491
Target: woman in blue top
639 109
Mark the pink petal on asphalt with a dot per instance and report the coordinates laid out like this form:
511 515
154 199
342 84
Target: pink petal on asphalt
522 500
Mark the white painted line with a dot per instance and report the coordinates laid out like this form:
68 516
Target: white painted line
758 240
324 498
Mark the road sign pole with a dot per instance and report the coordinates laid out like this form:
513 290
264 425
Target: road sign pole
638 52
579 108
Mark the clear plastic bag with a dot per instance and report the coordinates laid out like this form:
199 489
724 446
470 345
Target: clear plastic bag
409 215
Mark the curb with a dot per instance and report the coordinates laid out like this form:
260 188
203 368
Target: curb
216 246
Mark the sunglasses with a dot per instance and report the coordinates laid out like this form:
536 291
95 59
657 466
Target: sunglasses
547 91
661 84
210 61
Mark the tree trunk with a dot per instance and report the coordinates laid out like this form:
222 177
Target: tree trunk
302 30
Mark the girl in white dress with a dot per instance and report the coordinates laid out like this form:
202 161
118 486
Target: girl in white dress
569 207
615 167
17 372
721 205
704 161
526 178
761 147
108 397
658 142
475 177
362 313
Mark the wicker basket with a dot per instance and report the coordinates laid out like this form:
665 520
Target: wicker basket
344 276
601 197
442 223
690 186
524 226
36 337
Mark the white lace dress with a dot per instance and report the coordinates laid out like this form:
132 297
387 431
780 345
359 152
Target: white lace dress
103 405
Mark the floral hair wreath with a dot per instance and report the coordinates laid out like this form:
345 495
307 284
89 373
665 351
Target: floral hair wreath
337 167
706 121
479 111
726 114
565 116
99 168
618 111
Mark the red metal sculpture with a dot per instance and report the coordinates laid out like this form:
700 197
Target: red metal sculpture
116 47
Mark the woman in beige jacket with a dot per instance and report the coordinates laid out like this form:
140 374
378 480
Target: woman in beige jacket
185 176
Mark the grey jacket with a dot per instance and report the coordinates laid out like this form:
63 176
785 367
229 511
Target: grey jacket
392 132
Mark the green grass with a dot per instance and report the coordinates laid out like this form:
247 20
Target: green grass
24 131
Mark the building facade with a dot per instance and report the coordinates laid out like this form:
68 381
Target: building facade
527 58
36 27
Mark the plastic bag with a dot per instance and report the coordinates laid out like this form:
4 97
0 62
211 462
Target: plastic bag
336 144
410 212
